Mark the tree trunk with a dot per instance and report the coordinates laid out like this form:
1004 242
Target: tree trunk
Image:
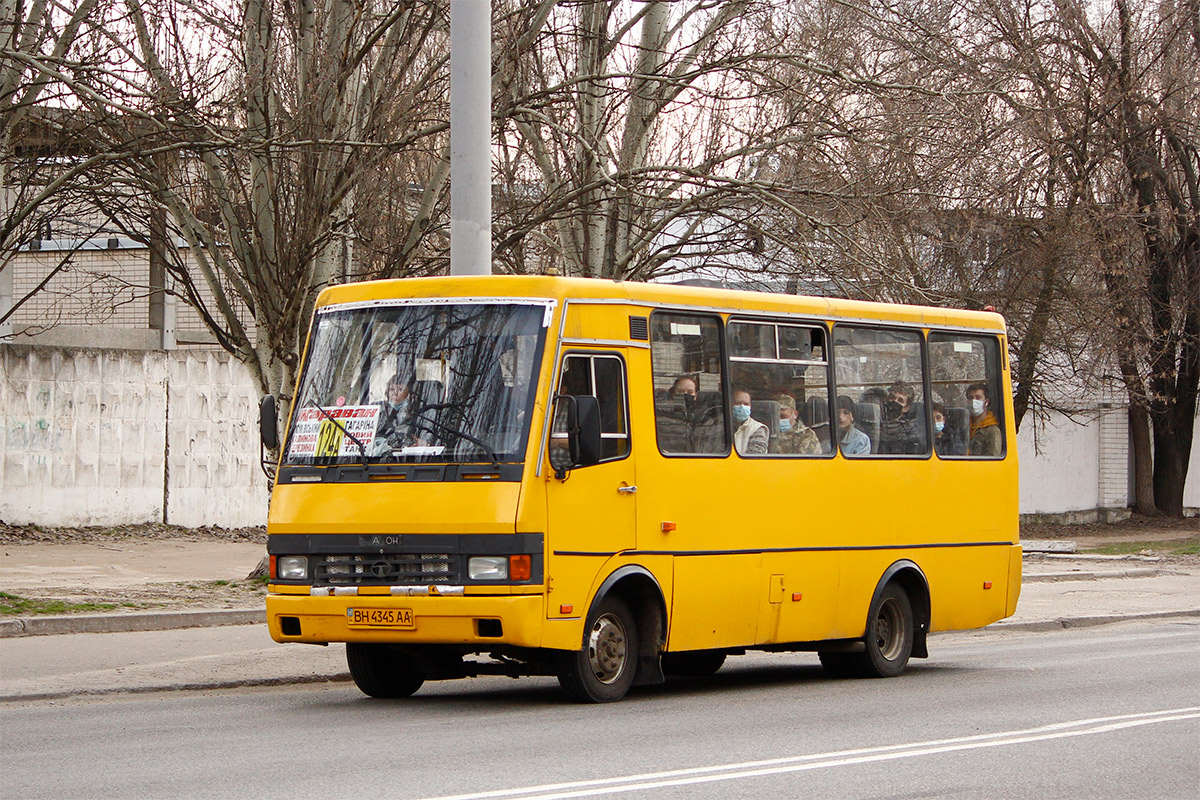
1171 453
1143 461
1030 348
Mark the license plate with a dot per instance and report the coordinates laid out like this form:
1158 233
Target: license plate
380 618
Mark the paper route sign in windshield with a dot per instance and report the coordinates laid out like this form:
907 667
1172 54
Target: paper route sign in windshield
317 435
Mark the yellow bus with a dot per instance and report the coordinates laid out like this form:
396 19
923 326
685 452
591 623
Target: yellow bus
615 482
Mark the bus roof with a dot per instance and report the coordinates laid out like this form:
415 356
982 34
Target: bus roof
655 294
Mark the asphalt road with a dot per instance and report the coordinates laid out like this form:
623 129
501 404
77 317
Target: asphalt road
1112 711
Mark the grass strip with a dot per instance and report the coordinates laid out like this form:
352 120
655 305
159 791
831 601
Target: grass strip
14 605
1178 547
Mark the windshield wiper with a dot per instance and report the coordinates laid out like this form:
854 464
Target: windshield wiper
456 432
362 449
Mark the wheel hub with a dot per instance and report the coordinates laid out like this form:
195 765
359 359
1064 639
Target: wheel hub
607 650
887 630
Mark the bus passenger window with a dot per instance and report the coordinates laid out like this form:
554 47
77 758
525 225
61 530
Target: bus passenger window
781 378
964 376
881 373
689 406
602 377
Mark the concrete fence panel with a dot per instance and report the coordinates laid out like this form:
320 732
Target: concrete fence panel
213 475
108 437
83 436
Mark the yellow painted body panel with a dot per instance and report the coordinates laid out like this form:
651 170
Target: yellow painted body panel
1014 580
764 551
418 507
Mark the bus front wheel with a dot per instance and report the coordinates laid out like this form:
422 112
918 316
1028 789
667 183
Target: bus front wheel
604 669
381 671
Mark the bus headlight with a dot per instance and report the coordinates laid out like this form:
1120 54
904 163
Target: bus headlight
292 568
487 568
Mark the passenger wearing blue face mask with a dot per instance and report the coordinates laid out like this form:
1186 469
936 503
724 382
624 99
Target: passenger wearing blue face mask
795 438
750 436
945 438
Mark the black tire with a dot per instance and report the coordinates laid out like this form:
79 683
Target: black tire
697 663
380 670
604 669
889 638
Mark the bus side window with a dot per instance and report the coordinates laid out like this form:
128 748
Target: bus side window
781 369
965 381
881 388
602 377
689 402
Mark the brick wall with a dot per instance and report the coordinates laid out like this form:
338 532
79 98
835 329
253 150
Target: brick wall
99 287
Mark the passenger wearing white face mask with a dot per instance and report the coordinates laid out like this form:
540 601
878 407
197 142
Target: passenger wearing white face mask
750 436
986 437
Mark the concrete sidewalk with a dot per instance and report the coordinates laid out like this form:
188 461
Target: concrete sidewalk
1080 590
217 648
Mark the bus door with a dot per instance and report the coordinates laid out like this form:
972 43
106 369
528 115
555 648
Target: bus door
691 493
591 514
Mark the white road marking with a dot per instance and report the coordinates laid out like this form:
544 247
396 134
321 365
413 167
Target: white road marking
778 766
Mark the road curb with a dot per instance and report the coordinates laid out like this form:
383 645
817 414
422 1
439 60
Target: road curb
1136 572
125 623
1087 622
193 686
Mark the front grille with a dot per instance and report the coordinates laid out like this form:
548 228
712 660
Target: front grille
385 569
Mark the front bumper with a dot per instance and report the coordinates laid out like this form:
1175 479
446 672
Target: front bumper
454 619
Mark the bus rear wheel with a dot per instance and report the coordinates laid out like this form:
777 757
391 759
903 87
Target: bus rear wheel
889 638
604 669
382 671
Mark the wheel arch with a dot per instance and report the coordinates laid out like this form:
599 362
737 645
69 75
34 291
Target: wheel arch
912 579
641 591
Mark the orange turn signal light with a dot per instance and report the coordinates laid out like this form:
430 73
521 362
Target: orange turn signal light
565 609
987 584
271 573
520 568
667 527
797 597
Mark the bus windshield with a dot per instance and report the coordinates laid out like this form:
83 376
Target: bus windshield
404 382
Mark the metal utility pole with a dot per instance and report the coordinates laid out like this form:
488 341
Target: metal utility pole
470 137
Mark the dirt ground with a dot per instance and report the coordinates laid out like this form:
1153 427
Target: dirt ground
107 570
28 534
1134 529
105 567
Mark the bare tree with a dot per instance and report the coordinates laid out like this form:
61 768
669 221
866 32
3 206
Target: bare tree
634 138
44 152
255 126
1038 156
1150 65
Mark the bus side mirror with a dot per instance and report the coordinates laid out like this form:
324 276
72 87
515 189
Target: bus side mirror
575 434
268 427
585 443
